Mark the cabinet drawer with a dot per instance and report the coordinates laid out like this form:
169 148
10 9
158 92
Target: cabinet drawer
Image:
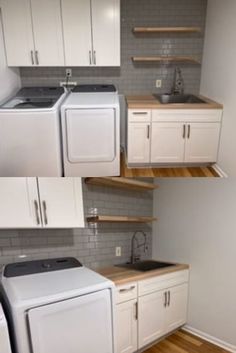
139 115
187 115
161 282
126 292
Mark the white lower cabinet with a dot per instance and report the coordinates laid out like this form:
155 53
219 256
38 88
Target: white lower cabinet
41 203
202 142
152 313
173 136
167 143
156 308
139 143
127 327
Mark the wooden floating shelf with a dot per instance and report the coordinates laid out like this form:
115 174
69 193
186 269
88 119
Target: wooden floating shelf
165 59
122 183
119 219
167 30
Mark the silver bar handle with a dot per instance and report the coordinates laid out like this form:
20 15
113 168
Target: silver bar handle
37 57
165 299
95 57
32 57
36 208
168 304
45 212
189 131
126 290
90 57
136 311
148 132
140 113
184 131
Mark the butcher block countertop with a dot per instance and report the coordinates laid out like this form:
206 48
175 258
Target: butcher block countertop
120 275
150 102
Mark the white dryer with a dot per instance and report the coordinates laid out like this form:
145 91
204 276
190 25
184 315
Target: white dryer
4 336
91 131
57 305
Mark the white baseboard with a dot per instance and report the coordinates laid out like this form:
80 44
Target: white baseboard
219 171
227 346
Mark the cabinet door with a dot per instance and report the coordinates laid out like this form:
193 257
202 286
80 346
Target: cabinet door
106 32
19 205
139 143
151 318
61 202
18 33
77 32
126 327
47 28
202 142
176 313
167 143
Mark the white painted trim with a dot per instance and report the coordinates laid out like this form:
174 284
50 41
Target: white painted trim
211 339
219 171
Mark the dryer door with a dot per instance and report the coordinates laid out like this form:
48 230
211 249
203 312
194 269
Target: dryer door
90 135
78 325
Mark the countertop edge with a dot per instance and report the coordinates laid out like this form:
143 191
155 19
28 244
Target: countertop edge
149 102
120 276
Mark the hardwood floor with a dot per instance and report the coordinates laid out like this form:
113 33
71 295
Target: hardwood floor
183 342
200 172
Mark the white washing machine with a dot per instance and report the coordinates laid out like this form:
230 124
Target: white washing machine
57 305
4 336
30 133
91 131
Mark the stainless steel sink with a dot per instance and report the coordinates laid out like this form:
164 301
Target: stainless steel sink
178 99
148 265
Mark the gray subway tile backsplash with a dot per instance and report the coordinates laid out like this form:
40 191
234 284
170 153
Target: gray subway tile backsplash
93 245
133 78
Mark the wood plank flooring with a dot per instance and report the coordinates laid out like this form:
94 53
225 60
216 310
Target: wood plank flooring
183 342
199 172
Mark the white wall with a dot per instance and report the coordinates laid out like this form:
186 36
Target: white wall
197 225
9 78
218 79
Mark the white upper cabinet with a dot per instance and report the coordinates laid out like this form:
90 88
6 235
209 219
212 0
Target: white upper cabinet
61 202
48 35
42 203
91 32
33 32
77 32
19 206
18 34
106 32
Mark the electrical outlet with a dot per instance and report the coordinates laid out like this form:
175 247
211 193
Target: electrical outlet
68 72
118 251
158 83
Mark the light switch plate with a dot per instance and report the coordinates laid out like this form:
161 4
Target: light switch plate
118 251
158 83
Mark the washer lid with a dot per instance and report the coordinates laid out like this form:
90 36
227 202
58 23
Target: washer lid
42 288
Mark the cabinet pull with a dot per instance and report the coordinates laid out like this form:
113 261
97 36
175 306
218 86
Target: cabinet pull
90 57
136 311
189 130
36 207
45 212
184 131
140 113
168 304
32 57
165 299
148 132
37 57
95 57
126 290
